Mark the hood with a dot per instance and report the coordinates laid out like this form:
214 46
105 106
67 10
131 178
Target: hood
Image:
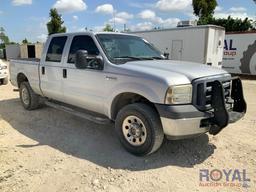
188 69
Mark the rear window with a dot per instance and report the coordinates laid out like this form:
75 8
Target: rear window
55 49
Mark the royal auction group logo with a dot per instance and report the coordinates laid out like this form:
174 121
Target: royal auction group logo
229 49
223 178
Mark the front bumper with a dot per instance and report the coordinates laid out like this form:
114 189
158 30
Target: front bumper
183 121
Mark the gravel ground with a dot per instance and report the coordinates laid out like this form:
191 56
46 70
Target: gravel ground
49 150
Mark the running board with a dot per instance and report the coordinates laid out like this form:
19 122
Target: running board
84 115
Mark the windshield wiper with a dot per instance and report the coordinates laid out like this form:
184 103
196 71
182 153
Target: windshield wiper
128 57
158 58
134 58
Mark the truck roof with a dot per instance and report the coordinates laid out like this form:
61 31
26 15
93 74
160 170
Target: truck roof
89 33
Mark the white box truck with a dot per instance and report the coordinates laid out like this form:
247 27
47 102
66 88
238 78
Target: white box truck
240 53
201 44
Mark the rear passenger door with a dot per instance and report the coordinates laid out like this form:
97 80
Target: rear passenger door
51 69
84 87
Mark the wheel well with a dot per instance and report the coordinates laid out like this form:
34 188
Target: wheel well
125 99
21 78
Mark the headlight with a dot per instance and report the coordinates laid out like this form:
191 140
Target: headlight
181 94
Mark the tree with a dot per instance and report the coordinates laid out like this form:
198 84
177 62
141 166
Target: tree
25 41
4 39
56 22
204 8
230 24
108 28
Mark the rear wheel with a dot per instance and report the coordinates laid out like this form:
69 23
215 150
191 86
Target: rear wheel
29 99
139 129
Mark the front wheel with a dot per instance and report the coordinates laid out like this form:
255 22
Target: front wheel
28 98
139 129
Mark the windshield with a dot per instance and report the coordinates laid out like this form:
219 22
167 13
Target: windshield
122 48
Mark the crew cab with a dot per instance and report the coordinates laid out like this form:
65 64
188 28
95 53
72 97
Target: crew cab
122 78
3 73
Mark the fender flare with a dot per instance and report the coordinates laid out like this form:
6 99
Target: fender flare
144 91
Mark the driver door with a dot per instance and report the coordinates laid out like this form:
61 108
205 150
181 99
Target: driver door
83 87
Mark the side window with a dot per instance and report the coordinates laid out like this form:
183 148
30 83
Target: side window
55 49
82 42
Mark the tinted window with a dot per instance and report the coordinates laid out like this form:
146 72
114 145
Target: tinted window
82 43
55 49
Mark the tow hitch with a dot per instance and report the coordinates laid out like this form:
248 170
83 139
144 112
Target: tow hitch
223 116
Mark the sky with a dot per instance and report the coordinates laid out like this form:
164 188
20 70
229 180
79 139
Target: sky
27 18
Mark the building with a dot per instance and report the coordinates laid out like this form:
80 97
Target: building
14 51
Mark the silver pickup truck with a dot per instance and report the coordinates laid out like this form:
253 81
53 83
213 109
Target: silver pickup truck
124 79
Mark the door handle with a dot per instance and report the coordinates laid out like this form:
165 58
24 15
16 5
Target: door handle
64 73
43 70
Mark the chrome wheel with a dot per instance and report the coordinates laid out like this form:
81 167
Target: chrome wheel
134 130
25 96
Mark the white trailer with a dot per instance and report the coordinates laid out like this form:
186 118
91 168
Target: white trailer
240 53
202 44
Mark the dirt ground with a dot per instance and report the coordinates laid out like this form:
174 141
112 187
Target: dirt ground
48 150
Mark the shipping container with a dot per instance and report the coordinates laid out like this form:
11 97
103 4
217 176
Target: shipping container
31 50
24 51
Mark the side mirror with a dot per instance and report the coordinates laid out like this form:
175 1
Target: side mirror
166 55
84 61
81 59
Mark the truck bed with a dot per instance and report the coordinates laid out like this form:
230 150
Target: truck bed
28 67
26 60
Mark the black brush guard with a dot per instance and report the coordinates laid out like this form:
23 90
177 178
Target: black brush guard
222 116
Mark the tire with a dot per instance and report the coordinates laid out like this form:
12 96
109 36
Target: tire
146 130
28 98
5 81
